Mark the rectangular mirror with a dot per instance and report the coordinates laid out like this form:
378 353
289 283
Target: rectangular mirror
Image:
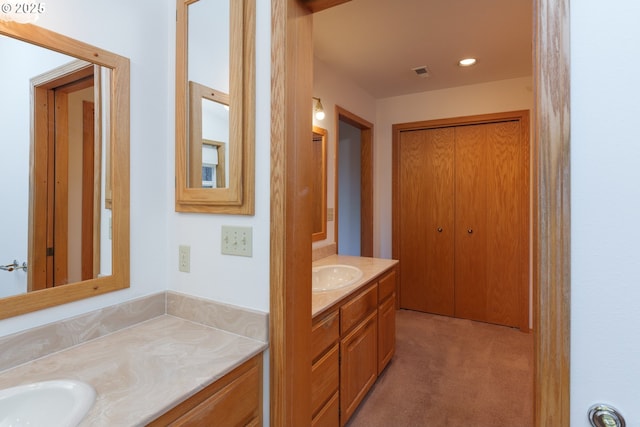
66 222
319 188
215 106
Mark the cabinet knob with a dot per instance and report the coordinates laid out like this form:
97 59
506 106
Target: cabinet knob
439 229
470 231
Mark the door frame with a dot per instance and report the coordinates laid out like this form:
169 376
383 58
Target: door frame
366 178
290 314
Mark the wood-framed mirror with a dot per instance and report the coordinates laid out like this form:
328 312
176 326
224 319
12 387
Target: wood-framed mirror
73 217
319 186
215 106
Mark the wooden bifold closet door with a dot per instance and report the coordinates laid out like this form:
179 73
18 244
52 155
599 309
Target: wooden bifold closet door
461 214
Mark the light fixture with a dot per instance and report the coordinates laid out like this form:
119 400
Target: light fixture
467 62
318 110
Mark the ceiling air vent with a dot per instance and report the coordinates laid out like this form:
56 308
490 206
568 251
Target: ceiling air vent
421 71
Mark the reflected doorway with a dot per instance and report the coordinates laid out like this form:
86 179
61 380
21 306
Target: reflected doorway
65 215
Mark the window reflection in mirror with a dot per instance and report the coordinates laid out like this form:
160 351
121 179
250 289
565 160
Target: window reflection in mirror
208 121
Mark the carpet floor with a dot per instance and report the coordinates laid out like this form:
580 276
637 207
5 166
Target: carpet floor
452 372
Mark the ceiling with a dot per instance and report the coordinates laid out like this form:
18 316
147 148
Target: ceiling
378 43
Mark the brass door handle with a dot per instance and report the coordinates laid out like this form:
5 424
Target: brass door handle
439 229
470 231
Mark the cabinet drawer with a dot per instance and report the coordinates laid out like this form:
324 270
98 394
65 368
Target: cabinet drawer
233 400
386 285
329 415
324 333
325 378
358 308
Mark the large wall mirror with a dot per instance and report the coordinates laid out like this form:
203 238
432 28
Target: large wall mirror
215 106
64 165
319 187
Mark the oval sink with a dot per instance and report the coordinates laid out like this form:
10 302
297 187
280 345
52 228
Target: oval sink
57 403
336 276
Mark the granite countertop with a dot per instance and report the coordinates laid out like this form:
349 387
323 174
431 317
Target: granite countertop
142 371
371 268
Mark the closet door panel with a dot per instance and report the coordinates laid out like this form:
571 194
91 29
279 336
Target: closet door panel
470 222
504 218
426 229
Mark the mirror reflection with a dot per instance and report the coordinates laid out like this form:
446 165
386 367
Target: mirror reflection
208 46
56 216
319 186
215 106
208 137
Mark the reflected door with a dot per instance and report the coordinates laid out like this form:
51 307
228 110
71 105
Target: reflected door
64 210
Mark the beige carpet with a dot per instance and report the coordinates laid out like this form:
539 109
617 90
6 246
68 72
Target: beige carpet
455 373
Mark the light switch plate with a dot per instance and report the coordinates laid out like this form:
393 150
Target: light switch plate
184 258
237 240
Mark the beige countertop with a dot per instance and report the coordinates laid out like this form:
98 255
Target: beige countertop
371 268
142 371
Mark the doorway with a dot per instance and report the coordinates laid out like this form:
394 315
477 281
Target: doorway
291 91
354 184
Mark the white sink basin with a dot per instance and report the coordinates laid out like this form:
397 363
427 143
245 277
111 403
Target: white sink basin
335 276
57 403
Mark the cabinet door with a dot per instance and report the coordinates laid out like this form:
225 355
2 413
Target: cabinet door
233 400
386 331
358 365
426 208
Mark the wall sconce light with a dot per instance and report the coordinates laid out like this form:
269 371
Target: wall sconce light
318 110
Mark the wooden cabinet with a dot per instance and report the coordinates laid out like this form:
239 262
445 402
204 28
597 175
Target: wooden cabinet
325 370
386 319
233 400
358 365
351 345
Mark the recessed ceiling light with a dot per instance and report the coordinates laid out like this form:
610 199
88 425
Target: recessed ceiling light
467 62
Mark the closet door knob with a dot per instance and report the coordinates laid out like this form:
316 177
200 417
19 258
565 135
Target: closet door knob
439 229
470 231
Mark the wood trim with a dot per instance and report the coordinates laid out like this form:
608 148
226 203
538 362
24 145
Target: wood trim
366 178
552 210
88 190
290 304
61 190
318 5
320 134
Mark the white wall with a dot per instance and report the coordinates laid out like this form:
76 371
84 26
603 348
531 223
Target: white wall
505 95
140 31
235 280
335 90
605 208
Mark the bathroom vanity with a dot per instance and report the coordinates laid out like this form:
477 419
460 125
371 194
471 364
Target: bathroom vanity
352 336
182 367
